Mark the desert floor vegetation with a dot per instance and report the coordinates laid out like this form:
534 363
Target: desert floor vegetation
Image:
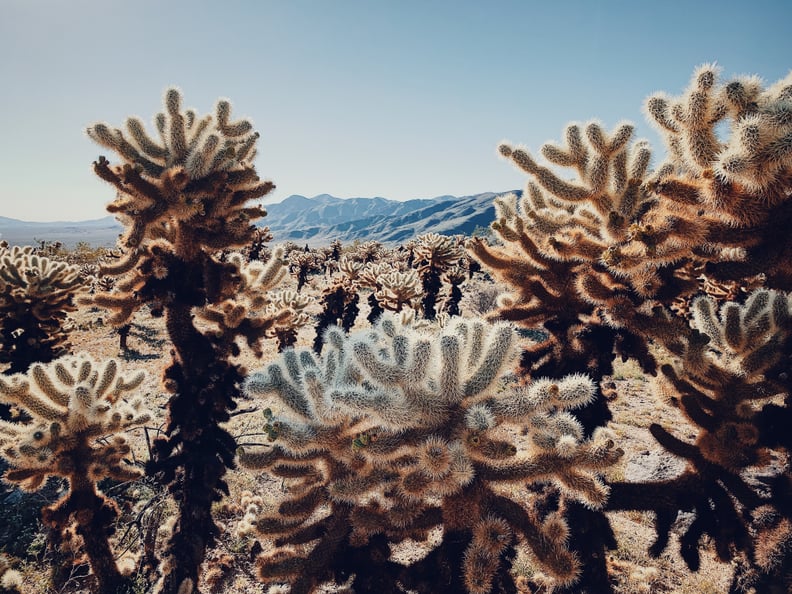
606 410
230 564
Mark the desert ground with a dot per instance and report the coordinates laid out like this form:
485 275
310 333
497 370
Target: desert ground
230 565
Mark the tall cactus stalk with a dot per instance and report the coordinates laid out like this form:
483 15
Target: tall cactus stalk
184 197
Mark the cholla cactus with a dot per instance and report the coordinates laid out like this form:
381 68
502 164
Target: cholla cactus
340 306
10 579
434 254
351 269
368 251
370 278
603 261
728 382
304 263
454 277
36 295
577 254
743 182
333 251
393 432
184 199
285 331
74 401
199 174
398 289
257 249
602 221
256 311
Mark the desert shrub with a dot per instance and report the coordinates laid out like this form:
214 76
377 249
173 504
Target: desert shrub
602 261
36 295
393 432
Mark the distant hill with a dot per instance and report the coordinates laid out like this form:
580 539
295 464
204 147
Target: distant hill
98 232
320 220
313 221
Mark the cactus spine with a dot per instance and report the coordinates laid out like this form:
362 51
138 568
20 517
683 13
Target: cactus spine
396 431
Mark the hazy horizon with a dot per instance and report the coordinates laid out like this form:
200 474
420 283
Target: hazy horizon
353 98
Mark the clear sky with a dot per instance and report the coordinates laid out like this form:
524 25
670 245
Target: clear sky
401 99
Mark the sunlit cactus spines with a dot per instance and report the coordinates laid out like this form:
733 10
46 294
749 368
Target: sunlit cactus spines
256 311
351 269
399 430
597 258
733 166
36 295
339 303
285 330
398 289
756 153
368 251
604 218
72 403
370 277
193 185
304 263
258 249
10 578
185 200
434 254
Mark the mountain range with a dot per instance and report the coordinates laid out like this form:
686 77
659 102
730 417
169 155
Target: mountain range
314 221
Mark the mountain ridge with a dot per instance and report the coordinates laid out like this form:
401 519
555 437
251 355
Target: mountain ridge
314 221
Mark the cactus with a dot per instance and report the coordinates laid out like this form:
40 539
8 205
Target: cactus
727 382
574 251
73 401
340 300
434 255
36 295
589 262
302 264
454 277
257 249
394 432
610 261
742 183
367 252
397 289
286 331
370 278
184 199
10 579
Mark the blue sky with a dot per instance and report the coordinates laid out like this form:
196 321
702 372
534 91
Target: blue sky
402 99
